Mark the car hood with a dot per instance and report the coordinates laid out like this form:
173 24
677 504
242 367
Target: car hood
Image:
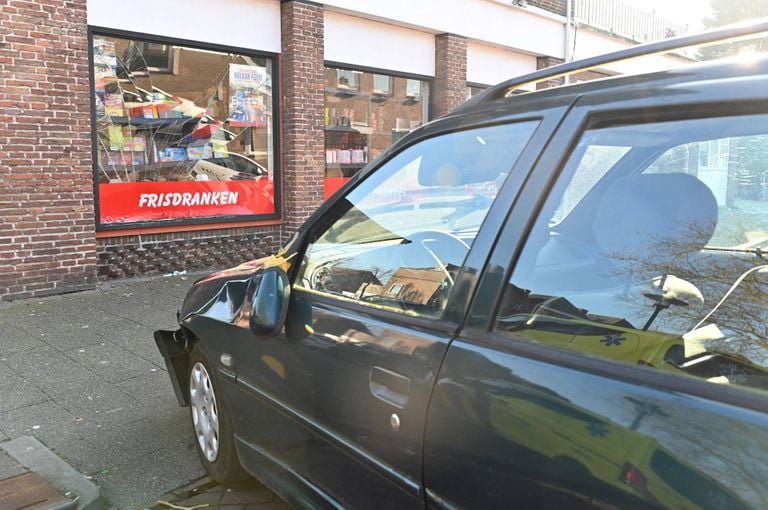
208 287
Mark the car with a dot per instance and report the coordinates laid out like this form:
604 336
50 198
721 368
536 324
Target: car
554 299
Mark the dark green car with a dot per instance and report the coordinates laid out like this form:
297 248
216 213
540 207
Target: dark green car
548 300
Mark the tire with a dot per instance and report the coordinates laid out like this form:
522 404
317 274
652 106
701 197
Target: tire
211 421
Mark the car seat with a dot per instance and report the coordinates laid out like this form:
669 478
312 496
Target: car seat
647 222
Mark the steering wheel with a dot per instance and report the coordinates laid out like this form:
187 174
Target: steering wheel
443 247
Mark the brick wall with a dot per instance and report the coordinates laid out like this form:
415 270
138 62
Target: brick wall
450 73
545 62
179 251
556 6
302 102
47 242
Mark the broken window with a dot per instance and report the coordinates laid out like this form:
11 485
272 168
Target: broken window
181 133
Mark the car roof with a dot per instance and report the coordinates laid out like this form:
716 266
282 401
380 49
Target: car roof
505 94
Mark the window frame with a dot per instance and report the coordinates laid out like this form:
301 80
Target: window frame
218 221
479 327
460 298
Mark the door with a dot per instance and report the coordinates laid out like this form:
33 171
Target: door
341 398
619 361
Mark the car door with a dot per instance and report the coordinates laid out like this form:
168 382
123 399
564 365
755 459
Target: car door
340 398
614 353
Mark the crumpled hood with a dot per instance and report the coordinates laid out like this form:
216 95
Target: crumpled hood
206 288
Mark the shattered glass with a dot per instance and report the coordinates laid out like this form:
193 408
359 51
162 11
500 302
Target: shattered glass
167 113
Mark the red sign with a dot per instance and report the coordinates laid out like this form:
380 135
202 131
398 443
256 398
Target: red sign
332 185
145 201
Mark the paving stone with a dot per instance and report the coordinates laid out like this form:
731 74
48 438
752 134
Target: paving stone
253 493
47 421
9 467
45 367
111 362
102 399
20 395
137 481
14 340
149 387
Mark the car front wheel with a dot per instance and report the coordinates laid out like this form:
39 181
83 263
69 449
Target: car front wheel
211 422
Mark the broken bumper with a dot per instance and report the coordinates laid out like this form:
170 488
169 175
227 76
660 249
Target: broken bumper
175 350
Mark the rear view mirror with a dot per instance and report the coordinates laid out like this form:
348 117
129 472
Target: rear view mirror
270 302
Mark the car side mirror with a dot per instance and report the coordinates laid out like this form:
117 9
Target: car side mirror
270 302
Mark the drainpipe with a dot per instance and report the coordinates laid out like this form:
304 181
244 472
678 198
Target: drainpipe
567 52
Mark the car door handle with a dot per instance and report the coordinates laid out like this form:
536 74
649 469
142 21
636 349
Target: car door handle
389 386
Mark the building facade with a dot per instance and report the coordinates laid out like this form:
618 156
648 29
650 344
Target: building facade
154 137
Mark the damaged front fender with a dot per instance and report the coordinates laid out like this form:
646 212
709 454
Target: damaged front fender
174 347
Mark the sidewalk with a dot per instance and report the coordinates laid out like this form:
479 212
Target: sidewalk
81 373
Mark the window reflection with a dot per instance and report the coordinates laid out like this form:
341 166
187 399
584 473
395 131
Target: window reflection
399 239
650 253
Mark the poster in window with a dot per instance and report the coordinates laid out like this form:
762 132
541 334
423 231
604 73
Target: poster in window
249 95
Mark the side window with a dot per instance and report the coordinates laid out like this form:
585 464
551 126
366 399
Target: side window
658 259
399 238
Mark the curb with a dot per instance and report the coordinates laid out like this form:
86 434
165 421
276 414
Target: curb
36 457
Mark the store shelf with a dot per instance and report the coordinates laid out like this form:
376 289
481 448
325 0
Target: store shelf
345 165
363 130
342 92
148 123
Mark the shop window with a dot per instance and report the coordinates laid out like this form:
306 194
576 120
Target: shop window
182 134
159 57
364 114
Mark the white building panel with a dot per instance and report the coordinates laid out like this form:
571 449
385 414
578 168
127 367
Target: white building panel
250 24
489 65
362 42
533 30
590 43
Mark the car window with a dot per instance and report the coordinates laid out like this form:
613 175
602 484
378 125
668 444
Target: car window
660 261
399 238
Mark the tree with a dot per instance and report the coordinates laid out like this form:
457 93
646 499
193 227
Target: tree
725 12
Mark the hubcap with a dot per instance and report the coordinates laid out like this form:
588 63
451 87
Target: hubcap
205 412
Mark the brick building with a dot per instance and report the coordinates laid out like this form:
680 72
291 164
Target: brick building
162 136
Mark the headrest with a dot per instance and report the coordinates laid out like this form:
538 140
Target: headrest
664 213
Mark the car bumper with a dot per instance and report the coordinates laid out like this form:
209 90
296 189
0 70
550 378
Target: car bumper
175 350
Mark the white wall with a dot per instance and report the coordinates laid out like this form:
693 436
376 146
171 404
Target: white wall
534 30
589 43
354 40
251 24
489 65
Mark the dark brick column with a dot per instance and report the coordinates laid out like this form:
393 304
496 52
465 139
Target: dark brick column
47 235
556 6
450 73
545 62
303 145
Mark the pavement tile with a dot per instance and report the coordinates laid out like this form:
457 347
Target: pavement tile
111 362
252 493
47 421
137 481
14 340
9 467
20 395
276 505
44 366
149 387
97 400
7 376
